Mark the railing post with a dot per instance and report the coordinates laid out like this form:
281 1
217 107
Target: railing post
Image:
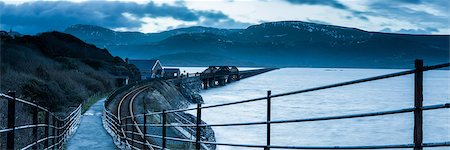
268 119
35 129
132 132
11 120
198 131
58 132
119 127
418 103
144 147
164 129
47 122
54 132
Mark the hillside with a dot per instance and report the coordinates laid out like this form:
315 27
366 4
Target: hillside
58 70
292 44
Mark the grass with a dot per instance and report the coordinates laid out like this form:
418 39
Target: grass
92 100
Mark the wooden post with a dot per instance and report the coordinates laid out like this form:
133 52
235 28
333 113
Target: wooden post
164 129
198 131
144 147
418 103
268 119
35 129
11 120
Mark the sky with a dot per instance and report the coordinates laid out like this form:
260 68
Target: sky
394 16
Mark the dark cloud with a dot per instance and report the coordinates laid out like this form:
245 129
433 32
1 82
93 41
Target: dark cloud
332 3
400 11
39 16
409 1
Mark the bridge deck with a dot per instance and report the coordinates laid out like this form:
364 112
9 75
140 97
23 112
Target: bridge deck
91 134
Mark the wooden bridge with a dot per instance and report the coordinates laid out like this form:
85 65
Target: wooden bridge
131 131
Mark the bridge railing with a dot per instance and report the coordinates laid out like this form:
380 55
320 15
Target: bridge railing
418 109
56 130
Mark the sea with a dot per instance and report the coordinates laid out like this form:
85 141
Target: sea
381 95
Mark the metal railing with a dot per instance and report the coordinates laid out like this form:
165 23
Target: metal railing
56 130
112 121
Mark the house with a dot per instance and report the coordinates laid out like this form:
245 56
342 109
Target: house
148 68
171 72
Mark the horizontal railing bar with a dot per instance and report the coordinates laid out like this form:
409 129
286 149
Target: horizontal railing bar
345 147
147 144
439 144
380 113
169 138
115 130
110 118
32 126
35 105
34 143
72 113
426 68
71 123
237 145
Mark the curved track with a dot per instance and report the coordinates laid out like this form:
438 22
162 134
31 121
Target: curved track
125 114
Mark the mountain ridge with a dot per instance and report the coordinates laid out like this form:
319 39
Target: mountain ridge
289 44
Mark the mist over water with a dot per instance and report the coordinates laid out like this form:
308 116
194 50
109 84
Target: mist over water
382 95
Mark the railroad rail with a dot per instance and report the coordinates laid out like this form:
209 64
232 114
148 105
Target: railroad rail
418 109
56 130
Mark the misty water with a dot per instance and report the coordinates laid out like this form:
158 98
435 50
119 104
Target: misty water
382 95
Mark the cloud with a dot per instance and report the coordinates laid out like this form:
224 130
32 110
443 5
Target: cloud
331 3
39 16
427 17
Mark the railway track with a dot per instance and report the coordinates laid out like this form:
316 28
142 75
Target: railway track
125 110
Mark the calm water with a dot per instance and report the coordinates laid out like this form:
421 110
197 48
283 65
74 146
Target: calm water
388 94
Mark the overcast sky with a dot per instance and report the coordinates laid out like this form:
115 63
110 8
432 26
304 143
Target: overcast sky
398 16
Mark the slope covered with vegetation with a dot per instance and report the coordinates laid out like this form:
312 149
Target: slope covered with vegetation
58 70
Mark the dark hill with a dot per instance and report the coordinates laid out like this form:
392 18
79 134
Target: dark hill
58 70
295 44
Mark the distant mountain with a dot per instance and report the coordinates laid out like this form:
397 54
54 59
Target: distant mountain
104 37
289 43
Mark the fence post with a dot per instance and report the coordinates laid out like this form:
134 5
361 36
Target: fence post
164 129
54 132
35 129
47 122
132 132
418 103
11 120
58 132
199 121
144 147
119 127
269 93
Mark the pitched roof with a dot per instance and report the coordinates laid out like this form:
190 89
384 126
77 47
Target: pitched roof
171 70
144 65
